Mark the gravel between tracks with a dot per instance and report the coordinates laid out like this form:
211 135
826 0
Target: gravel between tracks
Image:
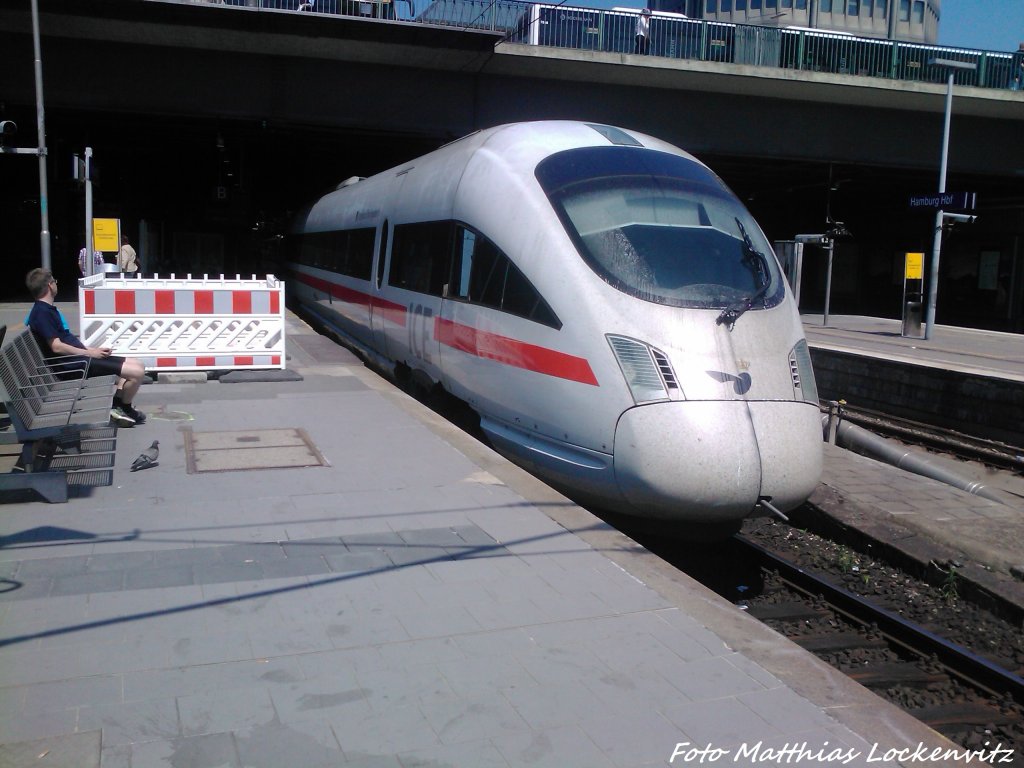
941 608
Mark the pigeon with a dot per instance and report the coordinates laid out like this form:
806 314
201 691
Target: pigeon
147 458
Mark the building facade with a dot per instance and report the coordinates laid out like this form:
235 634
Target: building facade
912 21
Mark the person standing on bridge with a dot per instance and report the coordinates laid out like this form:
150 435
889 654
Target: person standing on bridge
643 31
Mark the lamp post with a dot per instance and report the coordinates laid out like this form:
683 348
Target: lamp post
44 213
933 274
8 128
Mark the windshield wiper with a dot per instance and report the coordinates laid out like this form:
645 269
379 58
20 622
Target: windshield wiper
759 267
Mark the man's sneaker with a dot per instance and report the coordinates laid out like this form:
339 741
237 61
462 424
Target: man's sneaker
119 418
137 416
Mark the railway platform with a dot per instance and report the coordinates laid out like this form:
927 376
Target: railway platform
967 380
988 354
928 521
322 572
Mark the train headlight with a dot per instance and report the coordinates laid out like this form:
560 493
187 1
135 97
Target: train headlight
647 370
802 372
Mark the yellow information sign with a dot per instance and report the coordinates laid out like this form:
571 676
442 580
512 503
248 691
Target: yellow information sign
106 235
915 266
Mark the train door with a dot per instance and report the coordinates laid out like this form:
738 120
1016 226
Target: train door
416 274
475 340
378 338
458 321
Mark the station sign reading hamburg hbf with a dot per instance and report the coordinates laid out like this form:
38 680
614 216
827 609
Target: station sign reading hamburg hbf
947 201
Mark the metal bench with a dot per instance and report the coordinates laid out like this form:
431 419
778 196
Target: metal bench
53 387
60 417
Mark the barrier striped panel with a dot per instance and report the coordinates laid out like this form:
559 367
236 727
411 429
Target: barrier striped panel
185 323
147 301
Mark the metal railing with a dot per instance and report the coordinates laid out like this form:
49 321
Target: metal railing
401 10
677 37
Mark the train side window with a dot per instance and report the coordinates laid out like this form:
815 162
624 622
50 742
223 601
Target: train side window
359 253
421 257
316 249
382 251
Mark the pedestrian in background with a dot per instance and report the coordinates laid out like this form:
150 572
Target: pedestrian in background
643 31
83 264
127 260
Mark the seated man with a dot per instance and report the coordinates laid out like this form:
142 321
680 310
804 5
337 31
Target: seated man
49 327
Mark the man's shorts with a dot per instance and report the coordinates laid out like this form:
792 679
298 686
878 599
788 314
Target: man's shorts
105 366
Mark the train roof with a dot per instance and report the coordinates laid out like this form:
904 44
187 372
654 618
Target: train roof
520 147
536 140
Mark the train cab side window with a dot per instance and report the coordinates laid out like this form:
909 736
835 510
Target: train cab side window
482 274
521 298
462 264
487 277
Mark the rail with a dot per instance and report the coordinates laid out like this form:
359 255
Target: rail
960 661
677 37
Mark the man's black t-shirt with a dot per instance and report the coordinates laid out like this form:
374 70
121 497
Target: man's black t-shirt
47 324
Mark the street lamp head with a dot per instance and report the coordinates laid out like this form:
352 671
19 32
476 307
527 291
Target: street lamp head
838 229
958 218
815 239
952 64
8 128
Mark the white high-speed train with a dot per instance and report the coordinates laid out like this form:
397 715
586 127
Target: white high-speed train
599 297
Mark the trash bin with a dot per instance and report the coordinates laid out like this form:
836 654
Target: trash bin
912 319
111 269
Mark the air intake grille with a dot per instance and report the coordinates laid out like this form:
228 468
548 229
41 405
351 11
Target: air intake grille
665 368
642 375
802 372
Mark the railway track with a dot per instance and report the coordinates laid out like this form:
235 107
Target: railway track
974 702
965 447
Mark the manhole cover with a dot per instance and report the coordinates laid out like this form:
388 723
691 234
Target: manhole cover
250 449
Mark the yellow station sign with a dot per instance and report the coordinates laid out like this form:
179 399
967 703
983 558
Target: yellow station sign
914 266
106 235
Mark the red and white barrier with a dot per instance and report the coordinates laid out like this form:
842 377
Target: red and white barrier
185 324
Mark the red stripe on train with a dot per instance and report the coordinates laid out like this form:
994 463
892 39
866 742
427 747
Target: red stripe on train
513 352
466 339
396 313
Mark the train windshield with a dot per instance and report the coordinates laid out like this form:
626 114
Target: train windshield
662 228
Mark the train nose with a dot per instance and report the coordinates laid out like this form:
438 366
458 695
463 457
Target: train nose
710 461
696 460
